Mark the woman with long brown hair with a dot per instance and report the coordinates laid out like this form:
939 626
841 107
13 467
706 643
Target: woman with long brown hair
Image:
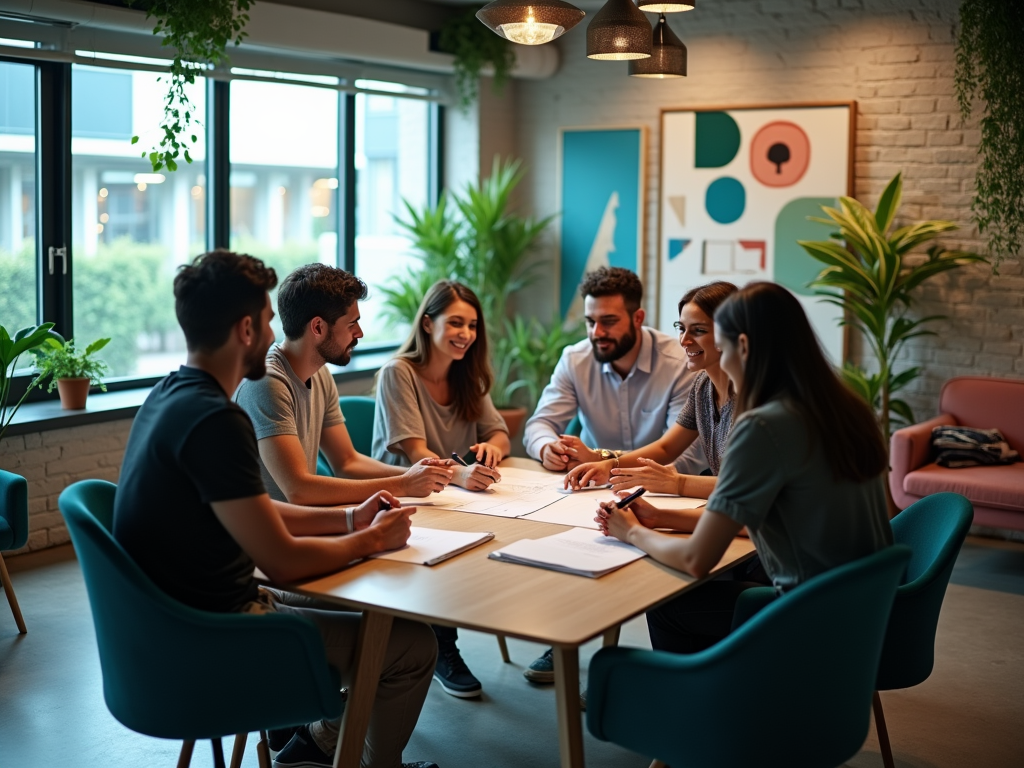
433 399
802 471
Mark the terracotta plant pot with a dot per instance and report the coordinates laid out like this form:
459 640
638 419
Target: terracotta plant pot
73 393
514 418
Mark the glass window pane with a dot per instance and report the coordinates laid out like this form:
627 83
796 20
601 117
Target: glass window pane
18 259
132 227
284 174
392 165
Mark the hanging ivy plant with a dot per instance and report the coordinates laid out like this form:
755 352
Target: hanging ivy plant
990 67
474 47
199 32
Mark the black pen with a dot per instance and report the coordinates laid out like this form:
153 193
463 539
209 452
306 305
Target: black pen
627 500
459 459
382 505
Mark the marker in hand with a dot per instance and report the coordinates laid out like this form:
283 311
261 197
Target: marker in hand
458 459
627 500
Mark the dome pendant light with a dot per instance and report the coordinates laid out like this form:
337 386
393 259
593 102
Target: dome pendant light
668 55
619 32
666 6
528 23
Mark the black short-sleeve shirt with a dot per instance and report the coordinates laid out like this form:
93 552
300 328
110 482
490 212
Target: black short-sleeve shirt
189 446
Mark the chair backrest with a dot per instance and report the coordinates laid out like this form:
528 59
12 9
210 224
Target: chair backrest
358 411
13 510
986 403
575 427
176 672
805 666
934 529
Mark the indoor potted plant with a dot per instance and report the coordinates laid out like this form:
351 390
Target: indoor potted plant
73 372
25 340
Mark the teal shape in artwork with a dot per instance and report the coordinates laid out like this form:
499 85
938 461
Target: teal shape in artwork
793 267
717 140
725 200
676 247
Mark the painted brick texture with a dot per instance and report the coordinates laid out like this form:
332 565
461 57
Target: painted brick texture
896 59
50 461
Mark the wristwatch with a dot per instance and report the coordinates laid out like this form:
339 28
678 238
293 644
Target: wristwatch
606 454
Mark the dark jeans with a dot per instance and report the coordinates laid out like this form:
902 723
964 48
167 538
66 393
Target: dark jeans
446 636
697 619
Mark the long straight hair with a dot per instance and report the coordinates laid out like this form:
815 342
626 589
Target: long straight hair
785 360
471 377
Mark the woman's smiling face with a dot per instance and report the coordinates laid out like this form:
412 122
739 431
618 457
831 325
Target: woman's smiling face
697 338
454 330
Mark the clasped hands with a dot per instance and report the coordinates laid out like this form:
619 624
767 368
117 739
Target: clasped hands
565 453
650 474
616 522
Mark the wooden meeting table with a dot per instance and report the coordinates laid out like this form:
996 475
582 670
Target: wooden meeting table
471 591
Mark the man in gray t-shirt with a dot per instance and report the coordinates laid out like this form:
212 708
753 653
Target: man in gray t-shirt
294 408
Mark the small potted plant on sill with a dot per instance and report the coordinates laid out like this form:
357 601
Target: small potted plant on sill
71 371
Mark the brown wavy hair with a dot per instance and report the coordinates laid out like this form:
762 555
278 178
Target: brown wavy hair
708 297
471 377
792 365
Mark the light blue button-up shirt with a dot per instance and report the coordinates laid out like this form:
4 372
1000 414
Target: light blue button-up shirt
616 413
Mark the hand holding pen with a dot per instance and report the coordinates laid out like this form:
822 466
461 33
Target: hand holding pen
477 477
615 518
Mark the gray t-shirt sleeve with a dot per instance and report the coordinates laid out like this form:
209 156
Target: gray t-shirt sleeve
490 420
752 474
398 405
269 405
688 416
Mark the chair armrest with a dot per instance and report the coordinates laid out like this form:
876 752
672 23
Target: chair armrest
909 449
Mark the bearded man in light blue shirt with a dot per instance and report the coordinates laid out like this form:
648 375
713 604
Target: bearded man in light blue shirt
625 381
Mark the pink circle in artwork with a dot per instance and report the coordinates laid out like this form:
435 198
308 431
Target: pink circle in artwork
780 154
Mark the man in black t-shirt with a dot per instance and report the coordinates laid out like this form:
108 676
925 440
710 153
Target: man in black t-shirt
192 511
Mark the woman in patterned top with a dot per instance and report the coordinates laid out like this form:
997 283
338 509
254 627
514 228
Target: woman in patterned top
707 415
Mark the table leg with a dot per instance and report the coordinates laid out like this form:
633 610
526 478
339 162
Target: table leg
371 647
611 637
567 699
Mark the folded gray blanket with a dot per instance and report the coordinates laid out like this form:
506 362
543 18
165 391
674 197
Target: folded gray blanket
957 447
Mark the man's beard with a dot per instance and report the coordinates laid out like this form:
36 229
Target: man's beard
621 347
332 352
256 360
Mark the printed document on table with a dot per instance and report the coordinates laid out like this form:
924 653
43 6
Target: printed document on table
429 546
520 492
576 551
580 509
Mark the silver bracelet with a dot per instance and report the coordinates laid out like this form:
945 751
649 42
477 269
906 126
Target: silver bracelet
350 519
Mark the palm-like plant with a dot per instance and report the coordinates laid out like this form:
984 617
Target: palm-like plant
867 276
24 341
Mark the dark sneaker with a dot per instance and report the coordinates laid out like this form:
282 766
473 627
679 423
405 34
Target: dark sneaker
302 752
278 738
454 676
542 670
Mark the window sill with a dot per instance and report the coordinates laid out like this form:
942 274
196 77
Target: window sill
112 406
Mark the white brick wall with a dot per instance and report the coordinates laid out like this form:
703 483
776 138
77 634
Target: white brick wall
895 58
51 461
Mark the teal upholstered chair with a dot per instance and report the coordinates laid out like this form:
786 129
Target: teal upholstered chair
792 686
934 529
13 532
358 411
575 427
175 672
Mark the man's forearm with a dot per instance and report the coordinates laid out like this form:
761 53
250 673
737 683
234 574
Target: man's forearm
318 491
308 556
364 468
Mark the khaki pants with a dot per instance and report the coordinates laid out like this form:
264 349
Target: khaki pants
404 678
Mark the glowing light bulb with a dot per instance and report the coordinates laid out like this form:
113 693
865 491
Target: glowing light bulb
530 32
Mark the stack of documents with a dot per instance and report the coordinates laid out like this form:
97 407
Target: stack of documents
429 546
577 551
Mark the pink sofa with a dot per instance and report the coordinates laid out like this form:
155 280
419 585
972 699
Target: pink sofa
996 492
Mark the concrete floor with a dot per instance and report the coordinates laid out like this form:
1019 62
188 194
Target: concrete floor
967 714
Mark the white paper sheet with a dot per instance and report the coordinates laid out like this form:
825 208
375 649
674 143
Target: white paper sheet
520 492
577 551
580 509
428 546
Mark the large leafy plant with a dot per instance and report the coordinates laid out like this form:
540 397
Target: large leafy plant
11 349
199 32
60 359
990 66
867 275
472 236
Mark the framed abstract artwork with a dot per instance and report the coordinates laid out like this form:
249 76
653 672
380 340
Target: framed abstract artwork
601 197
737 186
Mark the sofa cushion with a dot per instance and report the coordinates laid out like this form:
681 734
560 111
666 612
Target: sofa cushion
999 487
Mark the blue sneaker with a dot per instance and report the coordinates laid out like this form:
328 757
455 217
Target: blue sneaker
542 670
302 752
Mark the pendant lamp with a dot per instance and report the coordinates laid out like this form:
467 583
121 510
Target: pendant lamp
666 6
529 23
668 55
619 32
